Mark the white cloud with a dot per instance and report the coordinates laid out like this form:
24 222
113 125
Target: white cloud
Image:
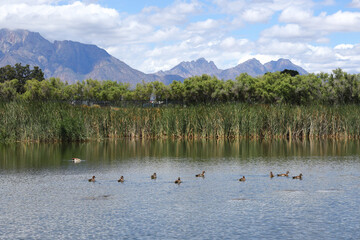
355 3
204 25
257 15
258 10
337 22
289 32
344 46
295 15
328 2
58 22
176 13
34 2
231 44
159 38
280 48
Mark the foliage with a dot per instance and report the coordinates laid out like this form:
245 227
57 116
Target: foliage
286 87
292 73
21 73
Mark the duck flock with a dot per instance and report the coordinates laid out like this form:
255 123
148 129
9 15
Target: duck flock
202 174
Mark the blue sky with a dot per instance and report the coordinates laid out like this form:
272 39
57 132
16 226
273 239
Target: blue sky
149 35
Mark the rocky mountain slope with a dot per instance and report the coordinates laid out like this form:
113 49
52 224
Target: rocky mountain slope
72 61
68 60
253 67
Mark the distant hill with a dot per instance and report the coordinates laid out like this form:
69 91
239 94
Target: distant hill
193 68
253 67
72 61
67 60
283 64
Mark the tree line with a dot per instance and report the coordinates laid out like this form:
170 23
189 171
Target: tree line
338 87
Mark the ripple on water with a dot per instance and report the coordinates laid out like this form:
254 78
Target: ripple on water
101 197
240 199
329 191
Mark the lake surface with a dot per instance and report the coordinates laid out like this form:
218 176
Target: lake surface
43 195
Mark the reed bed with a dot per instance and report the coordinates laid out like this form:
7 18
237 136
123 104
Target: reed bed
53 121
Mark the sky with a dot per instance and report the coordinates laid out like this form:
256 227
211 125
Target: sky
153 35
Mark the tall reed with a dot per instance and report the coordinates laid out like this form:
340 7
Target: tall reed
54 121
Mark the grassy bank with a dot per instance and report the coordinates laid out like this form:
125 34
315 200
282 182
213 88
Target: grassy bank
53 121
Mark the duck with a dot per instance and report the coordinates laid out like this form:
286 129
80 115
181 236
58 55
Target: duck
153 176
242 179
271 175
92 179
178 181
200 174
298 177
283 174
76 160
121 179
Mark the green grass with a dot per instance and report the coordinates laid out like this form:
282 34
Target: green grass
53 121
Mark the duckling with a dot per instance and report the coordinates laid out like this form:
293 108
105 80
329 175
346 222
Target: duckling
121 179
242 179
298 177
92 179
271 175
200 174
76 160
153 176
178 181
284 174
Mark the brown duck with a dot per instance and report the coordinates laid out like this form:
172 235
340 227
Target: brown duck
200 174
92 179
121 179
178 181
283 174
298 177
242 179
153 176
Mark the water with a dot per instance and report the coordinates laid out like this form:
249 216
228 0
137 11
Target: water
46 196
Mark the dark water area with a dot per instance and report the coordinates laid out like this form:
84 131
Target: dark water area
44 195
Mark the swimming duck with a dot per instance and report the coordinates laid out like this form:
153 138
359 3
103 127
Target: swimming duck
121 179
153 176
178 181
271 175
298 177
200 174
242 179
92 179
283 174
76 160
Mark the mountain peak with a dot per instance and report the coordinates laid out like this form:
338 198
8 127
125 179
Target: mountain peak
189 69
72 61
14 39
282 64
201 60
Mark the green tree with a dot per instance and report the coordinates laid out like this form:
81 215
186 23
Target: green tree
21 73
143 91
177 91
8 90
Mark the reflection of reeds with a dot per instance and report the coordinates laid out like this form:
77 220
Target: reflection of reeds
42 155
49 121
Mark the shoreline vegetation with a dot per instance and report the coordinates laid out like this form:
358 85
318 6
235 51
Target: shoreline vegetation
281 105
59 121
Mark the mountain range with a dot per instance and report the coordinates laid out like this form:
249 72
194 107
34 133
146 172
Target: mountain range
71 61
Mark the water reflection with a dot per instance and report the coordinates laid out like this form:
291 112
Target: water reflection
43 156
44 195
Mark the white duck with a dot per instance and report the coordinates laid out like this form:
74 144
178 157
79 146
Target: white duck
76 160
